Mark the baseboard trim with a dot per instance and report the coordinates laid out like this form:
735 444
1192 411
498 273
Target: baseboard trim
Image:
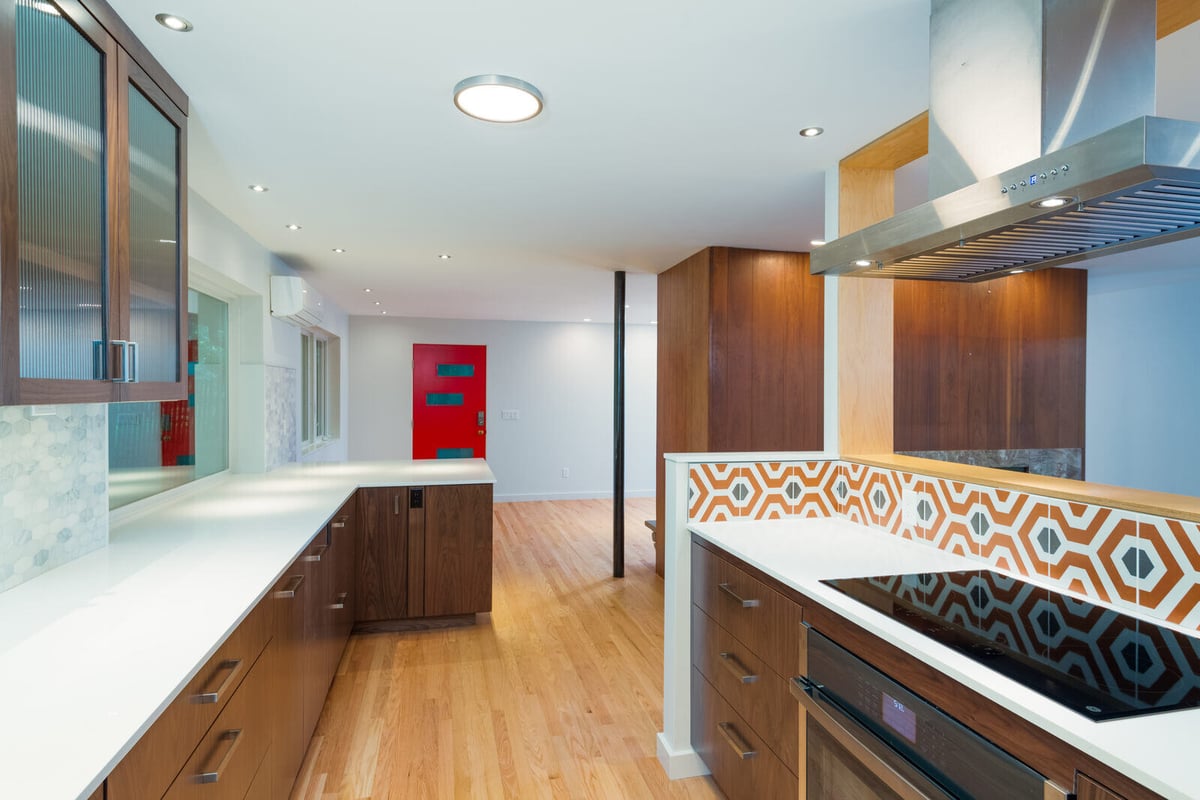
525 498
680 763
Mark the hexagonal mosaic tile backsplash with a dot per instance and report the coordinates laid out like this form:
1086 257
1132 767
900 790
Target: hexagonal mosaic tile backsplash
53 488
1123 558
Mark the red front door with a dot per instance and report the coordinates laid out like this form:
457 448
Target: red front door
449 401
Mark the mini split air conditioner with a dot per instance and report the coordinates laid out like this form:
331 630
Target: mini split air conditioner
295 302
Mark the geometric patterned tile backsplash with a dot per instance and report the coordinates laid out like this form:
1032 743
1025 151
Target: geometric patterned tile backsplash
1116 556
53 488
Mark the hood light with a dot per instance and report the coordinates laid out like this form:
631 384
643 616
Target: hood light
1058 201
498 98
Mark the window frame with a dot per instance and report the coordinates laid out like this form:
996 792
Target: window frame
319 388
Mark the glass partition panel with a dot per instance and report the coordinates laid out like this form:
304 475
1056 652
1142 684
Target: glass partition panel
153 447
61 183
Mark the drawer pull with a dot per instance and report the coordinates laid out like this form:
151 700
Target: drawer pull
341 524
214 775
724 587
737 668
316 554
735 740
339 602
293 584
231 666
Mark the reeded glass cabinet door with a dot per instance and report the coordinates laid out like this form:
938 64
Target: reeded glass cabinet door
155 231
64 206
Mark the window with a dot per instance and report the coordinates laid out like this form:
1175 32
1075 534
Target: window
319 380
157 446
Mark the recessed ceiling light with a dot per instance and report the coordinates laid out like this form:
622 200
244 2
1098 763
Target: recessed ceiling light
167 241
1058 201
382 312
378 303
173 22
342 250
366 290
292 226
587 319
498 98
811 131
862 262
444 256
817 242
259 188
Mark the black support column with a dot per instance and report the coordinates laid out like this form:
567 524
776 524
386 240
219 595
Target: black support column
619 425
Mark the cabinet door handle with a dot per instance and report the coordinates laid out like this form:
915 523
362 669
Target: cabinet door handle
735 740
724 587
230 666
339 602
737 668
134 362
340 524
124 345
316 554
213 775
292 585
396 505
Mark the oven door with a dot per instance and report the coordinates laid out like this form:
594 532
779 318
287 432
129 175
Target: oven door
846 761
867 736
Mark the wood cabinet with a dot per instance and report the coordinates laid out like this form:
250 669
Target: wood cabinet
1088 789
741 338
424 552
93 193
745 645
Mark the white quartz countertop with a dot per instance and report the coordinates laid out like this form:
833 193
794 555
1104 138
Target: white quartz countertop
92 651
1155 750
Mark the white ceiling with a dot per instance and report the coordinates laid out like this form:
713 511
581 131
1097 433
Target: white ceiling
669 126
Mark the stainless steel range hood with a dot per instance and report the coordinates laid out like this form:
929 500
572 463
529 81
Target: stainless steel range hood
1131 186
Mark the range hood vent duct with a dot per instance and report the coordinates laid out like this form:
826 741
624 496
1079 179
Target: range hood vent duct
1123 179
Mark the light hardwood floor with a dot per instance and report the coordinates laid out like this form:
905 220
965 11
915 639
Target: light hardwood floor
557 693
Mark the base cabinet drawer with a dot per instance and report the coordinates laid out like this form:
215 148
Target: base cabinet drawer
755 691
741 763
766 621
225 763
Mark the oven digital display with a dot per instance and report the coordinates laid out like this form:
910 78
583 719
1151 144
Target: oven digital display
900 718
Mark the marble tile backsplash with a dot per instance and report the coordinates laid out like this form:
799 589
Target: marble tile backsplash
282 393
53 487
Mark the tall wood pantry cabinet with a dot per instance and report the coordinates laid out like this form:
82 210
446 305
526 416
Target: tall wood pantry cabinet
93 210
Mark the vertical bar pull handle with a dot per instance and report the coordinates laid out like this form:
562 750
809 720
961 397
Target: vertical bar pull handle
133 362
124 360
396 505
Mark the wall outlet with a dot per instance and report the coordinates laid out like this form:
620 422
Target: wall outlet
510 413
566 472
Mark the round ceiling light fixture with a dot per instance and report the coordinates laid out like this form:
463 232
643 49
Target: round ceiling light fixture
173 22
498 98
811 131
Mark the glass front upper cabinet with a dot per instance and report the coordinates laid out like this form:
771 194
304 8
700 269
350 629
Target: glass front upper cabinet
91 250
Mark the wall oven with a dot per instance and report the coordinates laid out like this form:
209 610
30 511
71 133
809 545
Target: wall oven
866 737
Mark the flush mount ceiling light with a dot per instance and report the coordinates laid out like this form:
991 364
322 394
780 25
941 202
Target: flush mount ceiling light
173 22
1058 201
498 98
258 188
811 131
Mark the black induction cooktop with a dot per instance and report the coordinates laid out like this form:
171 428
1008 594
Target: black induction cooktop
1092 659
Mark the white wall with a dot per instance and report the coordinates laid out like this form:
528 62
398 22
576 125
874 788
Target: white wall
1143 372
226 257
557 375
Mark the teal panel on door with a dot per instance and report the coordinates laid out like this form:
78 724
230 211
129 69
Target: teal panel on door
456 452
456 370
443 399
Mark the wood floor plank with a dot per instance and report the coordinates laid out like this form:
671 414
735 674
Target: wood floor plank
556 694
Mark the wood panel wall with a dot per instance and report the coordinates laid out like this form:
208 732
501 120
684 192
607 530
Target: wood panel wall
740 356
992 365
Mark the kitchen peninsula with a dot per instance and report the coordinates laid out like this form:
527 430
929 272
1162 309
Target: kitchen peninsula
94 651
